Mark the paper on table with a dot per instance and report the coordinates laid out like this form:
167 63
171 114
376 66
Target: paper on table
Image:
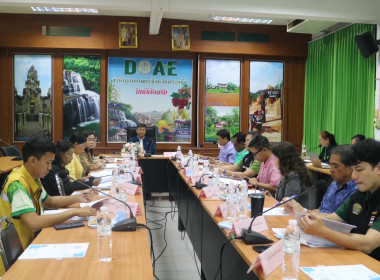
111 166
106 179
341 272
317 241
279 211
59 211
104 185
102 173
279 232
83 204
54 251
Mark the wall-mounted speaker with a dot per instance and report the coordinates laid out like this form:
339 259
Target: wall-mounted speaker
367 44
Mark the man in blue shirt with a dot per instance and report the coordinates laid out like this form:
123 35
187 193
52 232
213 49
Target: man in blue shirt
146 142
340 189
227 151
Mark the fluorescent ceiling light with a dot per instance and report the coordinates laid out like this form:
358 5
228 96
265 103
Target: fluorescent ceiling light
240 19
65 10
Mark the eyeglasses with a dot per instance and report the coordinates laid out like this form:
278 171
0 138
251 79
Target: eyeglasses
255 154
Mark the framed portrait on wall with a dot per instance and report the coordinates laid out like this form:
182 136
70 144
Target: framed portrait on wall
33 96
180 38
127 35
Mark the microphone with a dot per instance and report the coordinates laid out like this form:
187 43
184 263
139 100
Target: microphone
128 224
314 148
199 185
18 157
101 157
252 237
134 182
188 160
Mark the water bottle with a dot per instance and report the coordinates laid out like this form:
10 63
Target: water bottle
291 263
190 153
206 167
178 155
195 164
115 179
242 200
231 202
215 184
303 153
104 235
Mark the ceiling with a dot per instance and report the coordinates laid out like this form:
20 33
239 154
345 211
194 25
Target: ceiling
317 16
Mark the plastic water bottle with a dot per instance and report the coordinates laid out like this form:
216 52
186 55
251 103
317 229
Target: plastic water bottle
303 153
115 179
242 200
178 155
215 184
291 263
104 235
195 164
231 203
206 167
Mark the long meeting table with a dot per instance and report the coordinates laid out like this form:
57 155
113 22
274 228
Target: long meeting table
131 255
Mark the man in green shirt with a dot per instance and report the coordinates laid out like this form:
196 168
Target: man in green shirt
239 144
362 209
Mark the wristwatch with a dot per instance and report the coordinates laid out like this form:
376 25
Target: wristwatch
224 172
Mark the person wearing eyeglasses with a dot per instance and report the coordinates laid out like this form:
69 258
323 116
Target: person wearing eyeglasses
146 142
87 156
269 175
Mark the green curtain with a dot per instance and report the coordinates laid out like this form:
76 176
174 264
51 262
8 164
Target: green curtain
339 88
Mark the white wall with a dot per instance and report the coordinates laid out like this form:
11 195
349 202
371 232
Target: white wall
377 88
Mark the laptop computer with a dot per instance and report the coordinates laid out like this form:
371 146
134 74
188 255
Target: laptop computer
317 162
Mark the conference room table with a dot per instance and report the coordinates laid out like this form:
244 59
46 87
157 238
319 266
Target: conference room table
196 216
131 255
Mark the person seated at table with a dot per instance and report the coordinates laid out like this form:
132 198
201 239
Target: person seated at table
145 142
227 151
75 168
63 156
238 140
362 209
86 158
296 177
269 175
23 195
247 167
340 189
327 141
357 138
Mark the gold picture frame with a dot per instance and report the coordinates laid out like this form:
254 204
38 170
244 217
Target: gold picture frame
127 34
180 38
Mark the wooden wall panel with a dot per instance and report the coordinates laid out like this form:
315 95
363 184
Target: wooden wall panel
23 33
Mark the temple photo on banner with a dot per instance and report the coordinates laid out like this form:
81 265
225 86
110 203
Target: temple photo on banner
222 97
265 98
81 94
32 96
156 92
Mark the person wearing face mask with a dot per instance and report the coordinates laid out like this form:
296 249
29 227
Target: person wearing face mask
63 156
327 141
86 158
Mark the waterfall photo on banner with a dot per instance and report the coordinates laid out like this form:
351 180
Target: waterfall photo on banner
81 94
156 92
266 86
32 96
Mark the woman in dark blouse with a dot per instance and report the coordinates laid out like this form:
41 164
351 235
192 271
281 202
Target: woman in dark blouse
295 176
63 156
327 141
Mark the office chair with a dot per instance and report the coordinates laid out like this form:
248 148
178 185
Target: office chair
10 246
10 151
150 132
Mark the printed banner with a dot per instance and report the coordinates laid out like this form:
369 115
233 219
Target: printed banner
81 94
265 93
157 92
222 97
32 96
